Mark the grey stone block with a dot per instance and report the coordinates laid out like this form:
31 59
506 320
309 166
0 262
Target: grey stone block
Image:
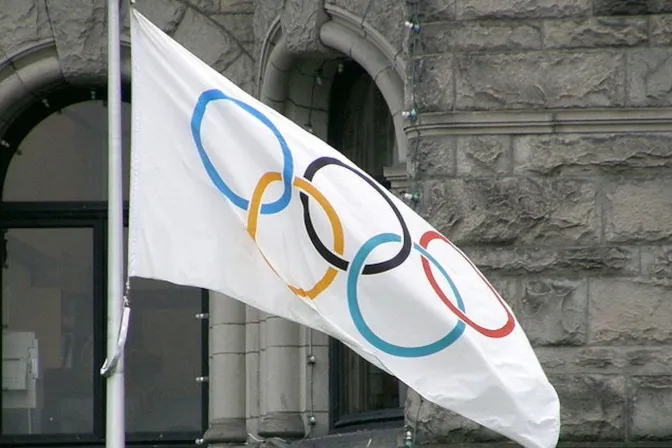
236 6
484 155
388 19
585 154
434 10
206 6
477 36
434 86
661 30
565 261
596 32
265 12
281 424
301 21
606 360
22 24
539 80
553 312
377 438
517 9
241 72
657 263
592 406
638 210
648 360
165 14
651 408
432 156
506 287
631 7
629 312
649 80
434 424
239 25
206 40
81 38
487 210
225 430
355 7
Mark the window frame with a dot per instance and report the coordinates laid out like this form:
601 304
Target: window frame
343 83
90 215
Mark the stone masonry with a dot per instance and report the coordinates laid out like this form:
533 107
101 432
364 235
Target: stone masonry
542 147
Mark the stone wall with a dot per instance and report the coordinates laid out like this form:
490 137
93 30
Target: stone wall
543 148
220 32
48 44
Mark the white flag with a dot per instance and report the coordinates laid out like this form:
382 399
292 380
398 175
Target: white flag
229 195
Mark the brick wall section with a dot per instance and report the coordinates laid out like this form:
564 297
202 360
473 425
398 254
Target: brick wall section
575 229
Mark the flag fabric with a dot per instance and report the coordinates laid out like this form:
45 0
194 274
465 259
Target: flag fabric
229 195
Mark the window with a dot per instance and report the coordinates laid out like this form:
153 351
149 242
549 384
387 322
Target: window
53 218
361 127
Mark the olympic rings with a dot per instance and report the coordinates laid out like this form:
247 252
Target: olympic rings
287 173
373 339
334 256
335 222
501 332
334 259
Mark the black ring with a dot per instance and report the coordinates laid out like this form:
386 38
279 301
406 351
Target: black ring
328 255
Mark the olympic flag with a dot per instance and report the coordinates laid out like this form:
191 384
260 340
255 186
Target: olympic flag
229 195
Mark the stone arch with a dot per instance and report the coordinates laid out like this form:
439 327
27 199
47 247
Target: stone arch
299 85
32 72
278 67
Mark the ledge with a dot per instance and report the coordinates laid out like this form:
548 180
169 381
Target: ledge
561 444
226 430
542 122
387 438
281 424
364 30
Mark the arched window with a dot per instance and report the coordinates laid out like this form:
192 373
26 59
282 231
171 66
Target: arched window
361 127
53 218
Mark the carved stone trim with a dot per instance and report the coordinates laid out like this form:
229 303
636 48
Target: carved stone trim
543 122
226 430
287 425
363 29
397 175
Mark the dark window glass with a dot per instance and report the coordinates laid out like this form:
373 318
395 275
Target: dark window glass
53 217
47 332
163 358
64 157
361 127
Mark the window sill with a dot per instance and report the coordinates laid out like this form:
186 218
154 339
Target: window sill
383 419
370 437
60 440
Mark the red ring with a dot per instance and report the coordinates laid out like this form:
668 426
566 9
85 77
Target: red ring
496 333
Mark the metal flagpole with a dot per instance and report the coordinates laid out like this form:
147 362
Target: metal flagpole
114 365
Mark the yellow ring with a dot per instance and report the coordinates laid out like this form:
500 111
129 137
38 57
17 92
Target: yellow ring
337 229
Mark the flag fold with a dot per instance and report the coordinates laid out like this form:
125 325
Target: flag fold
229 195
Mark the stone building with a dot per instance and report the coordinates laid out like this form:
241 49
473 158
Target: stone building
541 144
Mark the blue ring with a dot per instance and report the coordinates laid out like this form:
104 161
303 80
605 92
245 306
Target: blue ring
287 172
396 350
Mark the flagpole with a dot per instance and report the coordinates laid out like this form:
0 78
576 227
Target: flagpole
115 418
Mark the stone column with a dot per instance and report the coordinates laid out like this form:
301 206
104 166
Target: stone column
313 369
253 367
227 371
279 379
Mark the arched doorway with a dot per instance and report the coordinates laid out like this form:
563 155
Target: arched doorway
315 91
361 127
53 217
